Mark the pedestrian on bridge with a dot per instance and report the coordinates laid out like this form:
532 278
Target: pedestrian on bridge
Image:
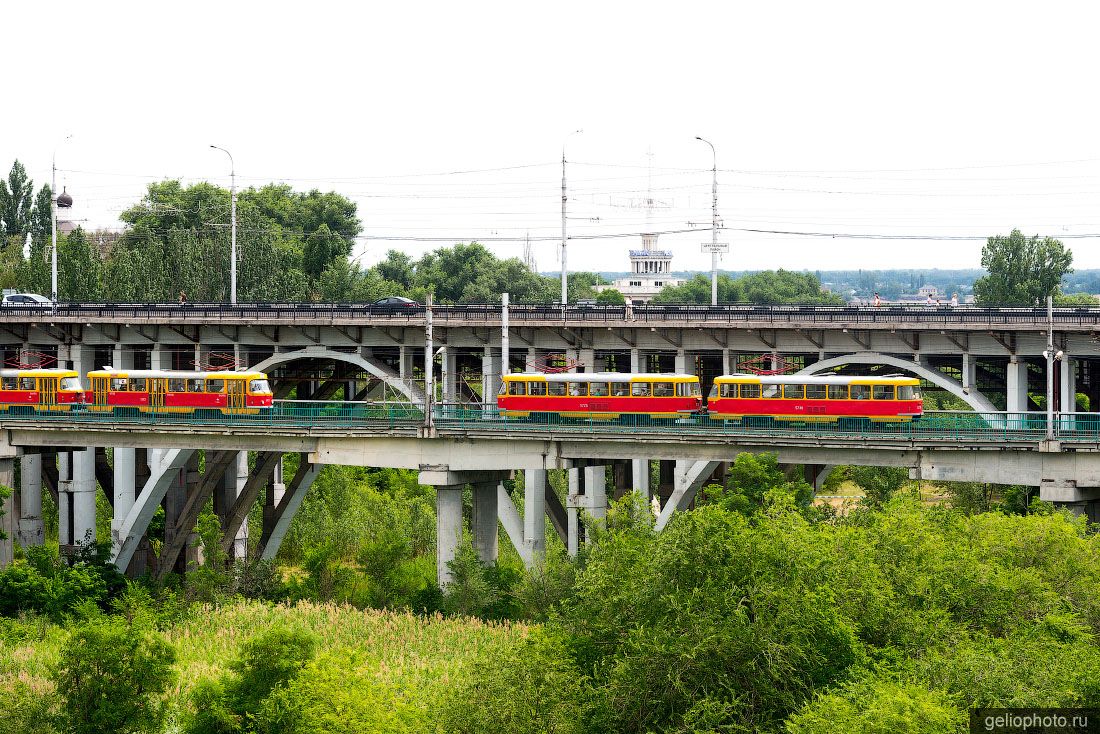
183 298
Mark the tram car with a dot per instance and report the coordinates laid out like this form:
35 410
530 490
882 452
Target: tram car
169 391
40 389
599 395
816 399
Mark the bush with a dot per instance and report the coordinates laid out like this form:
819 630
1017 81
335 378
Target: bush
876 706
112 677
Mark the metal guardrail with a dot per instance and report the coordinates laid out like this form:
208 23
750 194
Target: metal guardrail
520 313
938 427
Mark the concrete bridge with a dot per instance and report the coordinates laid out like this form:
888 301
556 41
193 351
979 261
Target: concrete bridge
989 358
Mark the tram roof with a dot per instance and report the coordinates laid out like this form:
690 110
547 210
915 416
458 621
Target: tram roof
818 379
39 372
177 375
599 376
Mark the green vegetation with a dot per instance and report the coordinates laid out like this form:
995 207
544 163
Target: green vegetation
1023 271
768 287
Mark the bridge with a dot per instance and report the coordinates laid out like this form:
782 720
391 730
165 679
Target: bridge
379 362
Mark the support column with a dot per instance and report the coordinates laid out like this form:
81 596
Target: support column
635 360
31 528
1016 379
125 472
639 470
450 375
64 498
483 521
83 497
448 529
595 491
727 362
680 365
233 482
1067 385
586 359
276 488
405 364
7 520
534 508
572 501
969 372
490 378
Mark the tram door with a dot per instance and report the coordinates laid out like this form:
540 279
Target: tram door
157 388
234 393
99 389
47 391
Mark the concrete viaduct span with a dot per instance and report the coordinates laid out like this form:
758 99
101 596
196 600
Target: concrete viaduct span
451 457
990 358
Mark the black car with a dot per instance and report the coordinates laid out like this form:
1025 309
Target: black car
394 304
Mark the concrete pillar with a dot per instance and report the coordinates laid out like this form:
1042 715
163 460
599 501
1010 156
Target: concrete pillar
31 527
125 475
276 488
490 377
7 520
483 521
969 371
587 360
727 362
1016 379
83 497
233 481
1067 385
448 529
450 375
681 363
635 360
639 471
405 364
534 508
595 491
64 498
572 513
175 498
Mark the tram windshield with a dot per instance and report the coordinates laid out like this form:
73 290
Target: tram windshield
908 392
258 386
70 383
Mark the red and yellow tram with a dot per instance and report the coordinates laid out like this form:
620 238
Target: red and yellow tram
806 398
604 395
168 391
40 389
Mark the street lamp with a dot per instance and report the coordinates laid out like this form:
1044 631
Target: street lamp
713 224
564 270
1051 355
53 222
232 226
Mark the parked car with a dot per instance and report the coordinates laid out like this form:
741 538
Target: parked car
395 304
27 299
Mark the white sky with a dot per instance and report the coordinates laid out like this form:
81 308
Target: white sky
947 119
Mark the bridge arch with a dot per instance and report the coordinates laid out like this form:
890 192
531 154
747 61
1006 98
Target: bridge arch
972 397
406 387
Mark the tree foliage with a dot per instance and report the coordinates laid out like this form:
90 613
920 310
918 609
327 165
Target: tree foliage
1023 271
767 287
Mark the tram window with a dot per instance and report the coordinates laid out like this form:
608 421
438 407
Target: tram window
215 386
259 387
578 389
908 392
729 390
69 383
598 389
517 387
663 390
838 392
119 384
749 391
536 388
683 389
883 392
639 389
9 383
555 389
620 389
815 392
26 383
176 384
195 385
714 388
860 392
696 389
795 392
137 384
769 391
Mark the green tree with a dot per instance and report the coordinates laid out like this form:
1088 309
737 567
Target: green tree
112 677
1023 271
16 206
766 287
79 276
879 483
610 297
876 707
750 480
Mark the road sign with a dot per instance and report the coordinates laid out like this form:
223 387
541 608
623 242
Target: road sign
719 247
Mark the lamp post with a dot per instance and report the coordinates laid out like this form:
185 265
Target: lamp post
713 224
1051 355
564 270
53 222
232 226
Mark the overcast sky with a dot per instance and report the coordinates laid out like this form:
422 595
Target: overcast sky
445 122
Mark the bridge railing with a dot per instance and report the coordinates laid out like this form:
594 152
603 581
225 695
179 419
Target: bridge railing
490 313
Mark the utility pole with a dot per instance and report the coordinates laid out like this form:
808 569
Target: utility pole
713 224
564 268
232 226
53 223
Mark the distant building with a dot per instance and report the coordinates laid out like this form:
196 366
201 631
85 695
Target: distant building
650 271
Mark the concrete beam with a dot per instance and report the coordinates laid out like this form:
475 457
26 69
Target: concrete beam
137 520
288 507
